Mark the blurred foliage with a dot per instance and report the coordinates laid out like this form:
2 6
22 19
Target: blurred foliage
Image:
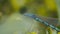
41 7
45 8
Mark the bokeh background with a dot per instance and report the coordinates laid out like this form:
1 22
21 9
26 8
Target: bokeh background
13 21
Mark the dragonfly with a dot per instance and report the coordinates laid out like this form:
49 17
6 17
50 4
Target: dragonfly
42 21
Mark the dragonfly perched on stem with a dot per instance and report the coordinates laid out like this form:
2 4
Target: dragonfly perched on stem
42 21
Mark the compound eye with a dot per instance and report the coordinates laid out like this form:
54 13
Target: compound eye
23 10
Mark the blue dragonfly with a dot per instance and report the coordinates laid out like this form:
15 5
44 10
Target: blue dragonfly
42 21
